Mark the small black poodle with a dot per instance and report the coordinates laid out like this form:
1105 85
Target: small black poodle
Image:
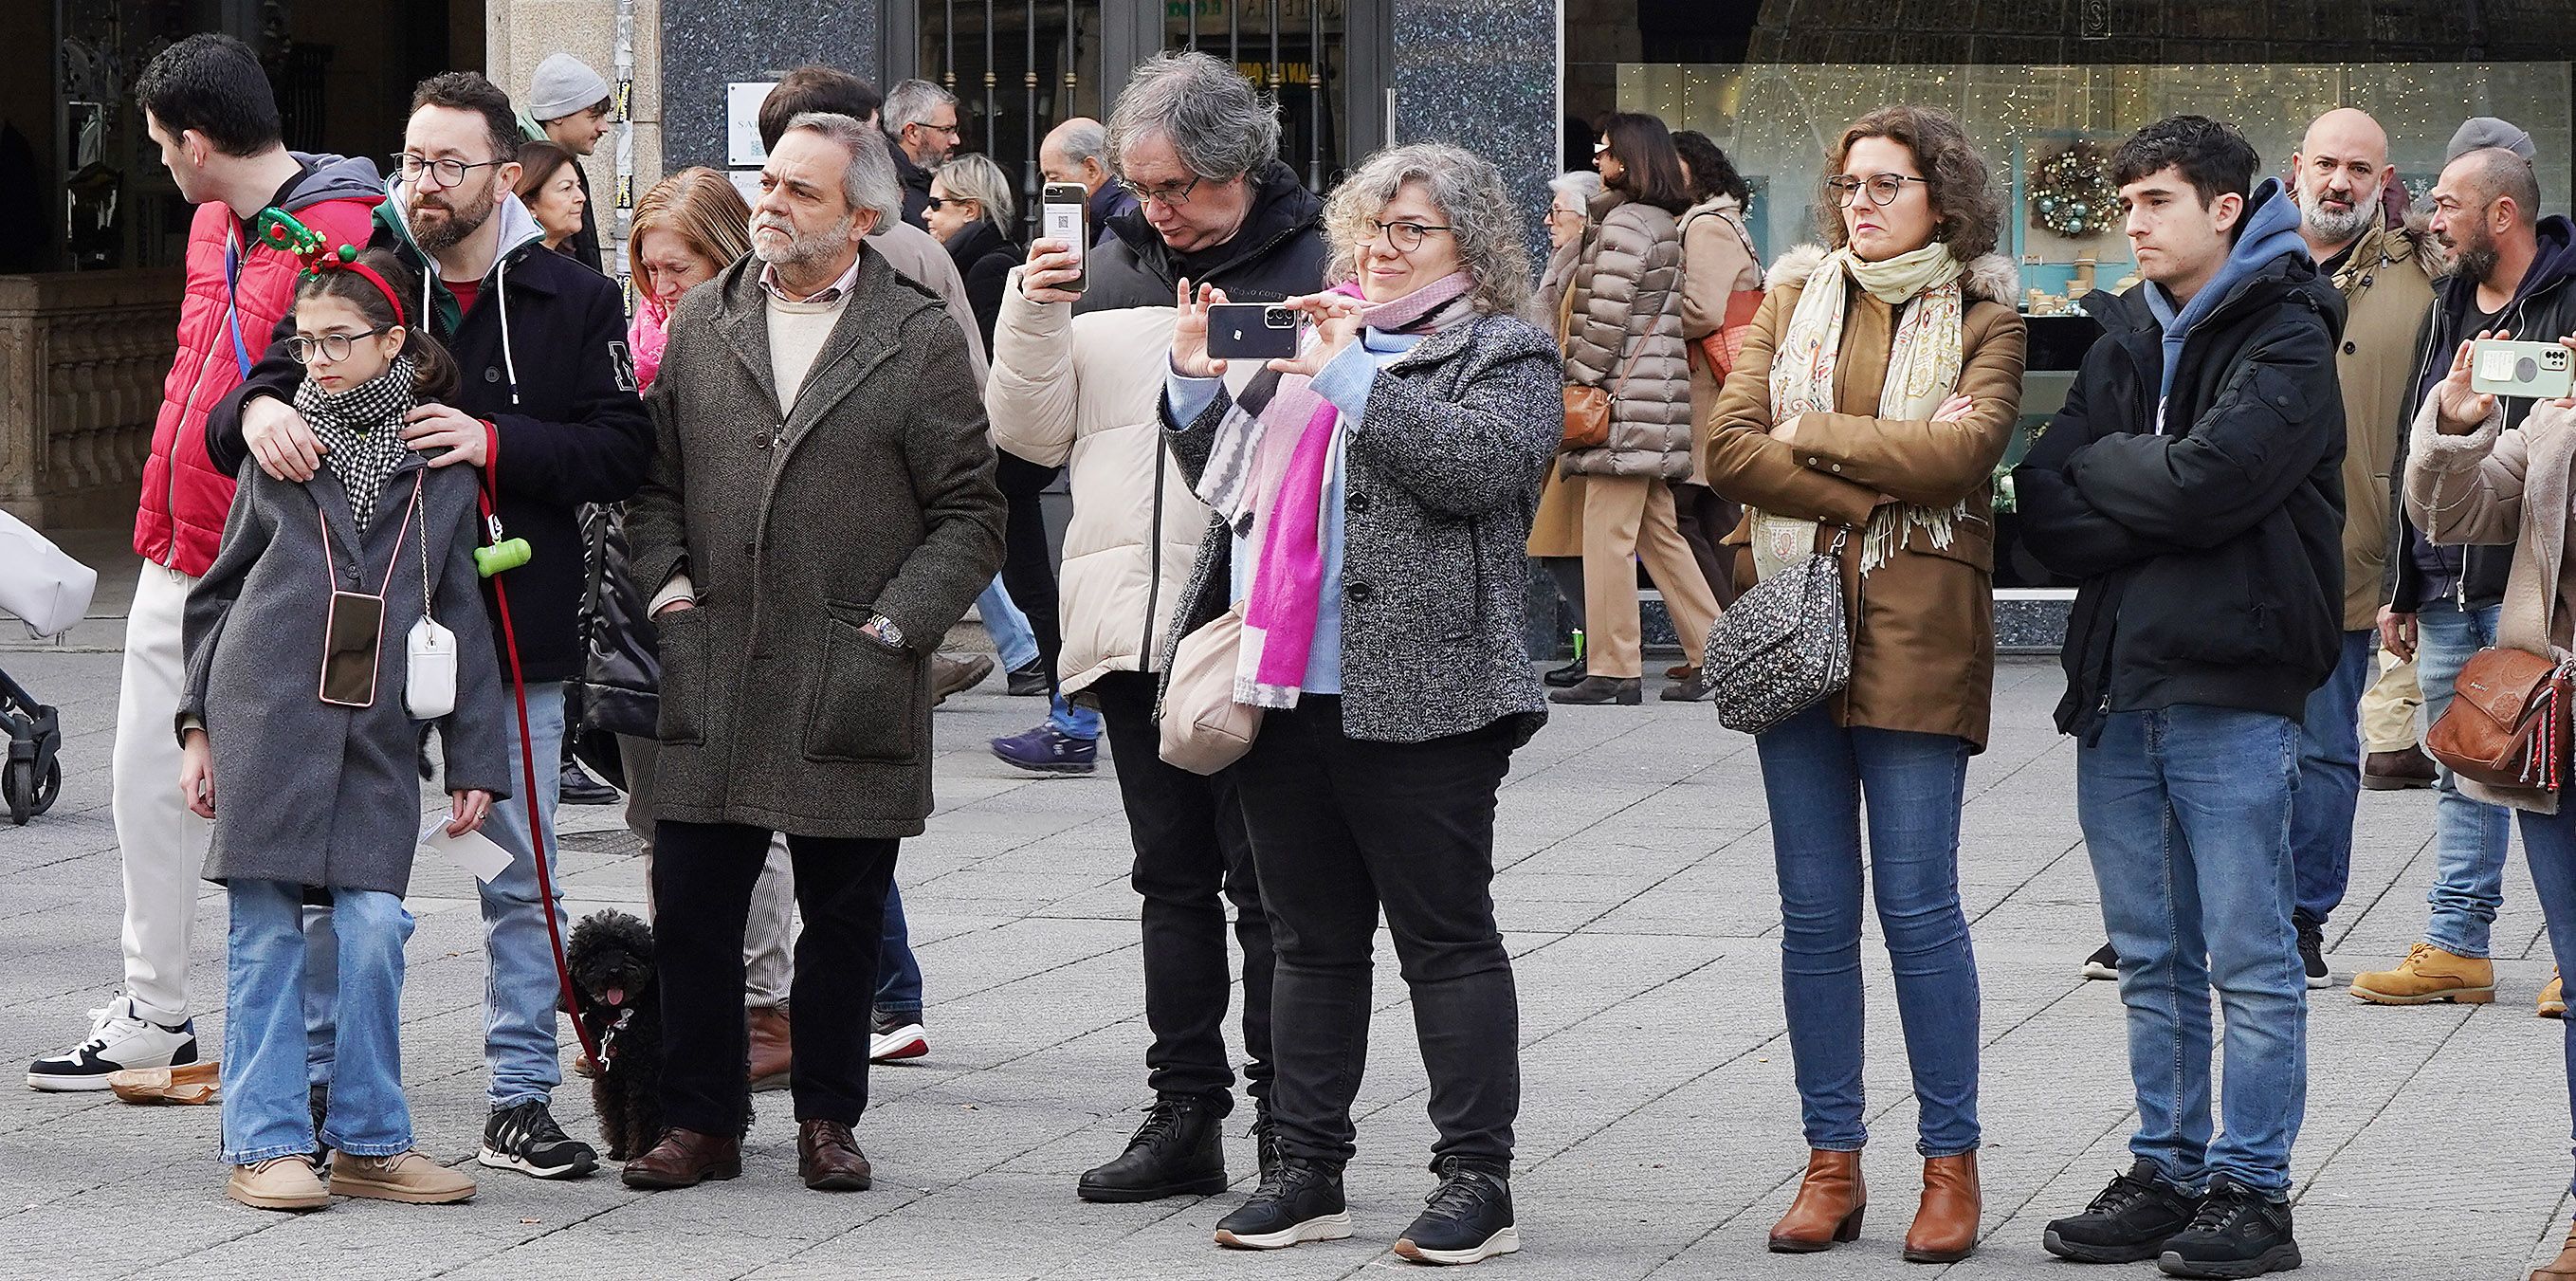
611 955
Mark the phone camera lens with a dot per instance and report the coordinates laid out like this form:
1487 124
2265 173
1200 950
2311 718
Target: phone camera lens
1278 317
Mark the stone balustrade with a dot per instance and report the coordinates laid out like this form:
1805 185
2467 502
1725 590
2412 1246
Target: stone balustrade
82 359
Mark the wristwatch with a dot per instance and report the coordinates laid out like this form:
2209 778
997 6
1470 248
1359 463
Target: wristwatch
884 630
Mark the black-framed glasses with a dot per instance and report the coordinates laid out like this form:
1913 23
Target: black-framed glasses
1167 197
1405 236
1883 188
449 172
329 346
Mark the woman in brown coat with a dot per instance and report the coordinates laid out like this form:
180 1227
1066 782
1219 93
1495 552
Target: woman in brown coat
1874 396
1718 263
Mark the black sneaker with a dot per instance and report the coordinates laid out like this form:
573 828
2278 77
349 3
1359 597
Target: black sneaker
524 1137
1265 1142
2128 1223
1028 680
1467 1219
2239 1232
317 1097
2312 950
1178 1151
2103 964
1301 1201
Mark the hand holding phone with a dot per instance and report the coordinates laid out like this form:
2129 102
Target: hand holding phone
1064 229
1190 356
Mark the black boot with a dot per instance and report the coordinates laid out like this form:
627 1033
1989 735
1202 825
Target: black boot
1561 677
2239 1232
1178 1151
1625 691
1265 1142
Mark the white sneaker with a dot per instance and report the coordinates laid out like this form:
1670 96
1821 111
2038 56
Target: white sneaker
118 1039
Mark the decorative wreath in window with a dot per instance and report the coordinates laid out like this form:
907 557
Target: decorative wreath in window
2071 193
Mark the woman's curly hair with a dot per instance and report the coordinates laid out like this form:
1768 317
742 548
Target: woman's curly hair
1969 213
1469 193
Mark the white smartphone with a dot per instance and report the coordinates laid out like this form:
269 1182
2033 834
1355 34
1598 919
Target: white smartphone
2539 370
1064 211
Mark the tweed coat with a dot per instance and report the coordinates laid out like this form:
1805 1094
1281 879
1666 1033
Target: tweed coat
309 792
1441 478
872 494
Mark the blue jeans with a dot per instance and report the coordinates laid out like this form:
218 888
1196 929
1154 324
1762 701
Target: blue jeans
1817 776
2186 812
2549 846
265 1047
2470 837
898 974
2329 781
1012 637
521 991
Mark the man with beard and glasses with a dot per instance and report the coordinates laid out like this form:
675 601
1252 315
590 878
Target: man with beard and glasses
548 410
2510 273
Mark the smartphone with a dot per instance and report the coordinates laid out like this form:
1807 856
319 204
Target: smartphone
1064 213
352 636
2537 370
1252 331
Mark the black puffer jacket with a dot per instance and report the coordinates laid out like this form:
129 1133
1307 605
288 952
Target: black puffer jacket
621 673
1278 253
2211 554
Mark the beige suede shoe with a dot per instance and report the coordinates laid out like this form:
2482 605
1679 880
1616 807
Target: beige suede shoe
404 1176
2429 974
278 1183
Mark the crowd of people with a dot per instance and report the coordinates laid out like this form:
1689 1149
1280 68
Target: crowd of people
1291 595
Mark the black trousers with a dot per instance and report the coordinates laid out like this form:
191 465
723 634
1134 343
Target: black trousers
1028 568
702 877
1341 827
1703 519
1192 857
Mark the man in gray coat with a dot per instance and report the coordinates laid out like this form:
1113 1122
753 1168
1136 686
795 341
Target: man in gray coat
821 508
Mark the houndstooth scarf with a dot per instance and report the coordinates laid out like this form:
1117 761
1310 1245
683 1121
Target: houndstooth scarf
363 429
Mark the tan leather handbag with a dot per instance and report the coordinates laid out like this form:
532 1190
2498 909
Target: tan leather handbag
1203 729
2507 722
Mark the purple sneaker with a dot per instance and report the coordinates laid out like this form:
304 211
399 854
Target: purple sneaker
1048 750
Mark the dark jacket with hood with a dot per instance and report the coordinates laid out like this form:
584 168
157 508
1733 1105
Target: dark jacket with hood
915 181
2209 544
2543 307
543 359
984 260
1277 253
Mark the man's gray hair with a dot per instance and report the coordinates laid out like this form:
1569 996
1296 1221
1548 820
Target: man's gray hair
1469 193
1219 124
1083 139
913 102
869 181
977 178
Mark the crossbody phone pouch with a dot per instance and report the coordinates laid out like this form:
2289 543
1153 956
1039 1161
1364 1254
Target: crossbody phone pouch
353 633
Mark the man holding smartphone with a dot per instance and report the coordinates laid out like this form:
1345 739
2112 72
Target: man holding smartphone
1079 377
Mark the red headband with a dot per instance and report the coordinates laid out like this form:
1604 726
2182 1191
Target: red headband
280 230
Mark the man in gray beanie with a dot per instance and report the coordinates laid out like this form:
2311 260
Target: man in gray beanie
567 105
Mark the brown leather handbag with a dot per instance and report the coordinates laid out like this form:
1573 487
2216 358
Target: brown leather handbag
2507 722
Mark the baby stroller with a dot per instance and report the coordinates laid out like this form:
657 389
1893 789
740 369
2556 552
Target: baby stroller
50 591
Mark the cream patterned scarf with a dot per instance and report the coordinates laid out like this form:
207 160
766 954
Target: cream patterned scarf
1923 363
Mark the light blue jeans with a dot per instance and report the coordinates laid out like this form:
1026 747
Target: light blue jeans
1819 777
1017 646
265 1047
521 992
2470 837
2186 813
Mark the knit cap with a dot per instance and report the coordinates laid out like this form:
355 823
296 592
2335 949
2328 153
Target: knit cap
565 85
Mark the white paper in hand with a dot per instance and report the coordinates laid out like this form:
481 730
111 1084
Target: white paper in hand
473 851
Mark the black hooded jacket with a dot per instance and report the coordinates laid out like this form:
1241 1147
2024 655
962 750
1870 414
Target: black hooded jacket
2210 555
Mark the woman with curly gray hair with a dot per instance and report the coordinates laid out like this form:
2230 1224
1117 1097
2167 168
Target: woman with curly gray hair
1372 495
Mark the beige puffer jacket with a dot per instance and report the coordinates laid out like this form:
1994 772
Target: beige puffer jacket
1627 320
1087 390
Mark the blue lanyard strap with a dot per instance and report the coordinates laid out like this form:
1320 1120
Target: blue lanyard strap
232 299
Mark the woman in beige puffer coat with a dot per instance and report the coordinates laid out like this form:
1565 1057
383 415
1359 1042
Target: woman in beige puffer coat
1625 337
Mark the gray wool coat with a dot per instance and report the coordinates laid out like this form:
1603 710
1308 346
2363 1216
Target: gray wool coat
872 494
1441 480
310 792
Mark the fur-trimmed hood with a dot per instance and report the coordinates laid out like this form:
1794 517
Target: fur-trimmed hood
1991 277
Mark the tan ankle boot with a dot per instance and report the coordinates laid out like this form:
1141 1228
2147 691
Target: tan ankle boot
2562 1268
1828 1206
2429 974
1945 1227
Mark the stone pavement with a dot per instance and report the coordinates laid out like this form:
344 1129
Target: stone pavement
1658 1135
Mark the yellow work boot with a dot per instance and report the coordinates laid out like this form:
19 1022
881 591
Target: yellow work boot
2429 974
2553 998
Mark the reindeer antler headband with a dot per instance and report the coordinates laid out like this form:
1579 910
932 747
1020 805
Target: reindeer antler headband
279 229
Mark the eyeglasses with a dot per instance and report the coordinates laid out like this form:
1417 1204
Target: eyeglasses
1405 236
1167 197
449 172
333 347
1883 188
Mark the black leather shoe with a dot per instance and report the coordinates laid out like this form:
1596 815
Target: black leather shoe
1467 1219
577 787
1625 691
1560 677
1178 1151
1027 681
1301 1202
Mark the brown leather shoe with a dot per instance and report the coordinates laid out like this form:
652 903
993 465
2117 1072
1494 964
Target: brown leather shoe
829 1159
685 1159
1828 1207
1945 1227
2397 771
770 1056
2562 1268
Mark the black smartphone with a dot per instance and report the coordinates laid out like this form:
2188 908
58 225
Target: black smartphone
1252 331
352 637
1064 213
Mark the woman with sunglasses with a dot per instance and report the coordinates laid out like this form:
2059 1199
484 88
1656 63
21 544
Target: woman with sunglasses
1875 392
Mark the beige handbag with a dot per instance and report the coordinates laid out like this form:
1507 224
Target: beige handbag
1203 729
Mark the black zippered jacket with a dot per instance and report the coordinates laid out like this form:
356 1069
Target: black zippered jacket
2210 556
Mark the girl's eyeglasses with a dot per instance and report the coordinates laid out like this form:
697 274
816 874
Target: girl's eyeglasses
329 346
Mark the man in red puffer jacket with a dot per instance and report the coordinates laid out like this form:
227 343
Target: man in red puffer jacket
209 106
